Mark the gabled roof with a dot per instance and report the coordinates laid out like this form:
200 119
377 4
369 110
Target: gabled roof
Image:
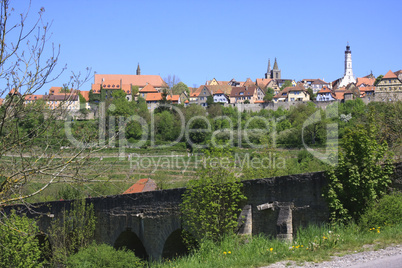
339 94
319 82
248 83
226 89
143 185
247 91
262 82
148 89
397 73
186 101
219 91
364 81
173 97
284 93
136 80
324 90
390 74
153 97
197 92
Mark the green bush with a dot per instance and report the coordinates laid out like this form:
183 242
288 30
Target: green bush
211 202
104 256
72 230
388 211
19 246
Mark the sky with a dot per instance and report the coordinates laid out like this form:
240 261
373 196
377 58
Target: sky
200 40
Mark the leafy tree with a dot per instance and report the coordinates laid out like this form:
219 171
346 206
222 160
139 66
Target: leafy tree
286 84
180 88
19 244
134 90
311 93
121 106
246 102
269 95
378 79
362 175
211 203
210 100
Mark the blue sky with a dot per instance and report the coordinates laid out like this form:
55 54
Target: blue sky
200 40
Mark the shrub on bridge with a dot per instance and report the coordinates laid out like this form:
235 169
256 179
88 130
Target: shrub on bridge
210 205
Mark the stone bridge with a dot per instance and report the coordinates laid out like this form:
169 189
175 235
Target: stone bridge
149 223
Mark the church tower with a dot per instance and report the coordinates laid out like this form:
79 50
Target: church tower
138 69
348 75
268 73
276 73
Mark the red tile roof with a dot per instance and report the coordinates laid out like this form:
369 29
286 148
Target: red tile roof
143 185
262 82
186 101
247 91
173 98
34 97
248 83
390 74
111 84
136 80
319 82
153 97
96 88
324 90
55 90
226 89
126 88
148 89
365 81
219 91
365 89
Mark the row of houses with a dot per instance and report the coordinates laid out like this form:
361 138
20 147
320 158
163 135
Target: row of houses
151 87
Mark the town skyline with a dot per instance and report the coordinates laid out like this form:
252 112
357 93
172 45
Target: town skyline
199 41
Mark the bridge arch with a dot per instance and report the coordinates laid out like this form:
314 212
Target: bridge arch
129 240
174 245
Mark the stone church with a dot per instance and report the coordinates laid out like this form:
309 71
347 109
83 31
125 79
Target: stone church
275 73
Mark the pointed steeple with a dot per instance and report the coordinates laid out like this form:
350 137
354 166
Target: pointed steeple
276 65
268 73
138 69
269 66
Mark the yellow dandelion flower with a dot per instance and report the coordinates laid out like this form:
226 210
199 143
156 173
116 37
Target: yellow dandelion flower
224 252
229 252
271 249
